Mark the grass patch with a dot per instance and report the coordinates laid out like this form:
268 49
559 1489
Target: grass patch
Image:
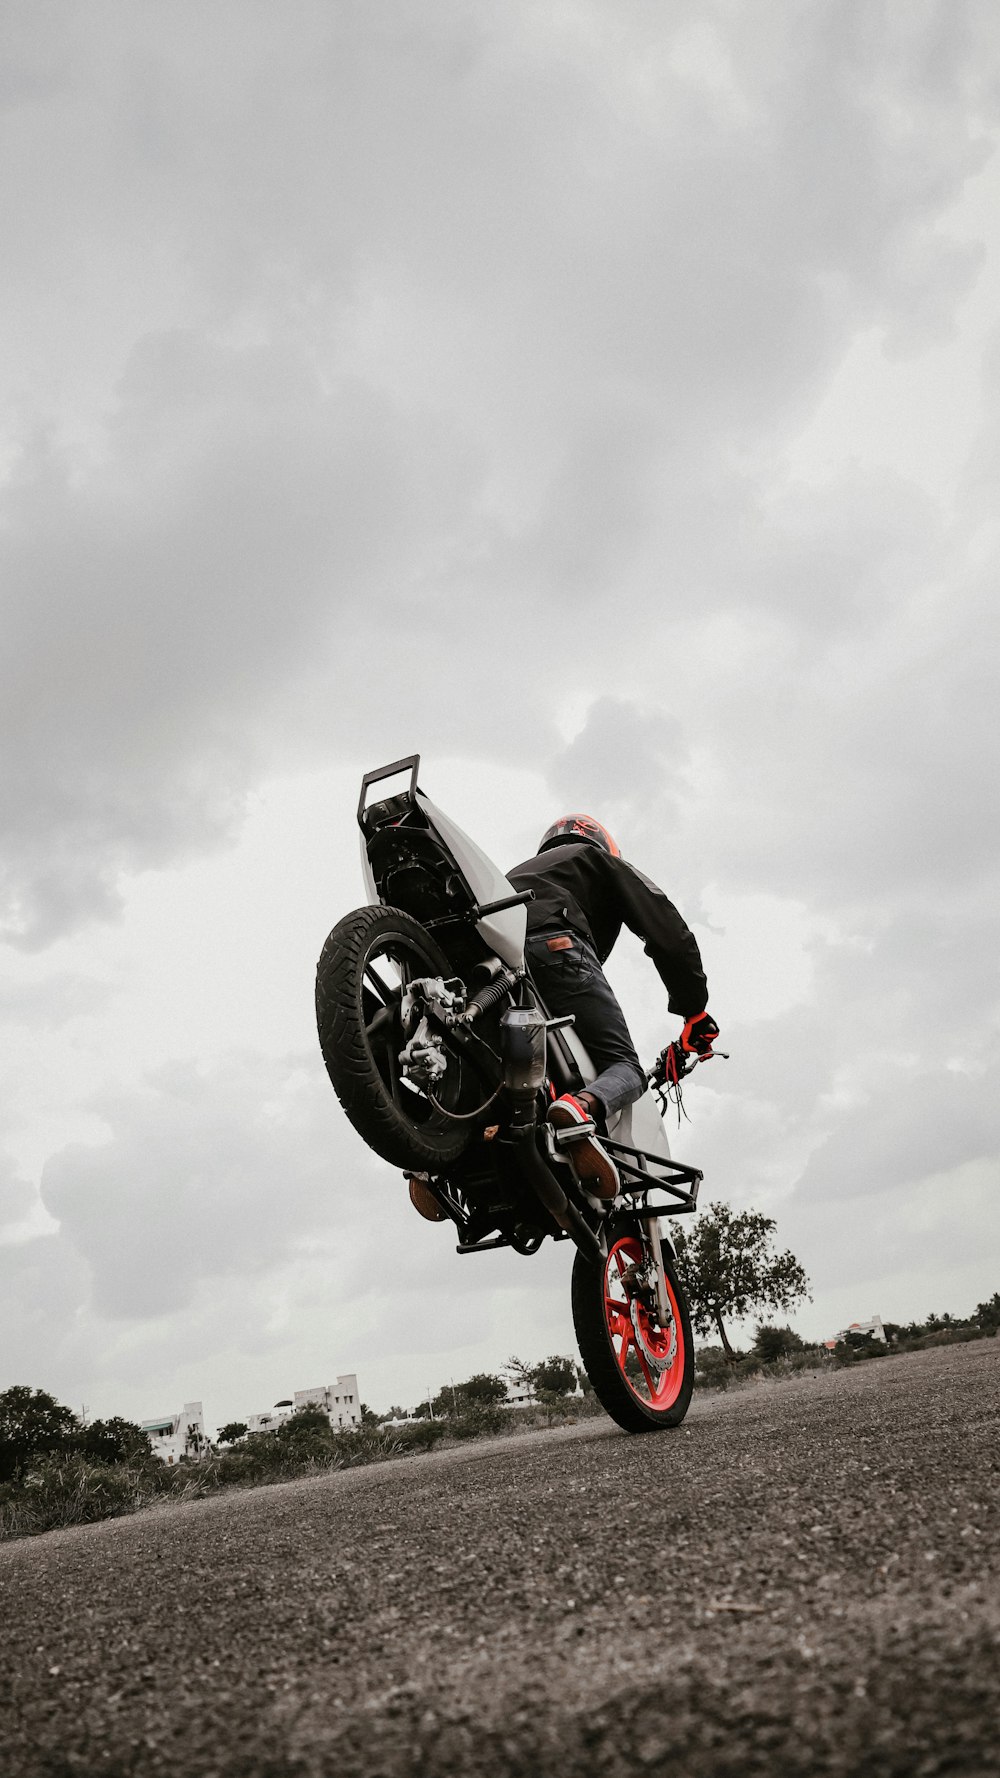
60 1489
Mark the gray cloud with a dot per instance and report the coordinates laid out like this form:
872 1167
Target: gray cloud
372 371
53 1000
206 1173
913 1129
16 1194
442 316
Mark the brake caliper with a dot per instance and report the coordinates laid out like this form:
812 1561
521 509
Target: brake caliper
428 1005
640 1288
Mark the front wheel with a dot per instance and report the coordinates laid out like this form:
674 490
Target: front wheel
642 1373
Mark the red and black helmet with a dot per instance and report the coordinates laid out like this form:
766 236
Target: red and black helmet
574 828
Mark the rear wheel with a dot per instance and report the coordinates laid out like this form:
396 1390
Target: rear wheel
642 1373
365 964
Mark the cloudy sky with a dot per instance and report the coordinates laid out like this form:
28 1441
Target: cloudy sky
600 400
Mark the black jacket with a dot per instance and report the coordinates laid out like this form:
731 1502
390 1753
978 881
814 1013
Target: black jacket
585 889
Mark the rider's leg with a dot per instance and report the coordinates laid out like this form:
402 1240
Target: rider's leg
571 980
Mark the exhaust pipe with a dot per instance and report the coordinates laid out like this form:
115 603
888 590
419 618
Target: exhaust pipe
531 1166
522 1045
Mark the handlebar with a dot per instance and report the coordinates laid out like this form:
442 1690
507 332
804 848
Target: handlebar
673 1063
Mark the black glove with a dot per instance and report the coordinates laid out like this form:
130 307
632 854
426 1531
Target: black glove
699 1034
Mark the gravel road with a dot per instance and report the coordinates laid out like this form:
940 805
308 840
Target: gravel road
804 1579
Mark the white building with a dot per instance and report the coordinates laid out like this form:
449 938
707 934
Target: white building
872 1329
519 1394
339 1401
270 1417
178 1435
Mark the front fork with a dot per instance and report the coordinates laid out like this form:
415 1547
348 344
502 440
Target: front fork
655 1245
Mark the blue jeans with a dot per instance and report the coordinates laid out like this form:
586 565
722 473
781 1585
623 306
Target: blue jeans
570 980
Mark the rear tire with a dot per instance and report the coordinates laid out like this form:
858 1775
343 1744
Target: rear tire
357 1017
635 1390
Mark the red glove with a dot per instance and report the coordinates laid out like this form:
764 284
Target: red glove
699 1034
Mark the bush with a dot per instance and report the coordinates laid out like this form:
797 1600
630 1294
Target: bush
481 1391
712 1369
70 1490
420 1435
366 1444
988 1315
276 1456
479 1421
772 1343
113 1441
32 1423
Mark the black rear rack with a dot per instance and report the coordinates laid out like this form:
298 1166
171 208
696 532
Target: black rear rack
410 764
642 1172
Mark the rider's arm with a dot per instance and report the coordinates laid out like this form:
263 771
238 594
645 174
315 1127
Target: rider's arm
668 942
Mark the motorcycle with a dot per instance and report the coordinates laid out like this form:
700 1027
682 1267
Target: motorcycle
444 1057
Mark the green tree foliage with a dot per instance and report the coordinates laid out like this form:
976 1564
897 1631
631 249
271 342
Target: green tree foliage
729 1267
554 1376
551 1382
484 1388
113 1441
305 1426
987 1315
232 1432
32 1422
712 1368
477 1392
771 1343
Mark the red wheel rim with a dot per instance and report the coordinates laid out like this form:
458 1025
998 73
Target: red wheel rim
656 1381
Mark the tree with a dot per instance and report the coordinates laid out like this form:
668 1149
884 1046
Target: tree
484 1388
987 1315
368 1415
551 1382
555 1376
31 1422
729 1267
113 1441
232 1432
195 1441
479 1391
305 1425
772 1343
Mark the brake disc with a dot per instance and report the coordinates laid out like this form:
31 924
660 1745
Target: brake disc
657 1361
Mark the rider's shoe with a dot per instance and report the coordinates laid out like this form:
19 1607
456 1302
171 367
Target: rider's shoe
594 1169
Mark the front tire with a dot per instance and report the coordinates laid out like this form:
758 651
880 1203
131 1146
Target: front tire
643 1376
364 965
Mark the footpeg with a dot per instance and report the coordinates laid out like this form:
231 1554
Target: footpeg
574 1133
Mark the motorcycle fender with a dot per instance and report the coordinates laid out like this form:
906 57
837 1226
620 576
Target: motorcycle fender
641 1126
503 932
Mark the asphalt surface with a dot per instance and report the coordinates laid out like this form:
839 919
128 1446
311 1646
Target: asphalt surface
802 1579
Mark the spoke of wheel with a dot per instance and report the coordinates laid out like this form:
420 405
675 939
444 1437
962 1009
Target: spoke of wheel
375 1030
378 987
647 1373
627 1341
393 1064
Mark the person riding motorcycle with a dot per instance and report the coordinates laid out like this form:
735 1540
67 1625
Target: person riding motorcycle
584 892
